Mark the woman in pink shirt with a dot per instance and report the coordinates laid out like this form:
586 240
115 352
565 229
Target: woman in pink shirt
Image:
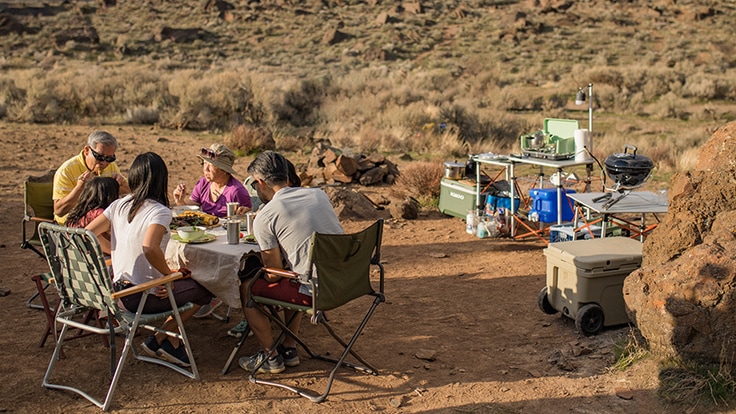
218 186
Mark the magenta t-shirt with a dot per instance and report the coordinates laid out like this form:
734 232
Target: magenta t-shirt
233 191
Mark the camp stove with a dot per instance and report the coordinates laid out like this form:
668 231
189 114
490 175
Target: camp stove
547 153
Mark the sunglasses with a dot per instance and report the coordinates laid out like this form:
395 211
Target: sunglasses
206 152
253 185
102 158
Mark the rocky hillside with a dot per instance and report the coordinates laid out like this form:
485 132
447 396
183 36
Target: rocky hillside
312 36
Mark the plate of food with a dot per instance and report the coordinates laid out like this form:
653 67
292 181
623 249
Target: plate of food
177 210
250 239
205 238
194 218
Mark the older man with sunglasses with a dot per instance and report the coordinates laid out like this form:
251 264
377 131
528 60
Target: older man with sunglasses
96 159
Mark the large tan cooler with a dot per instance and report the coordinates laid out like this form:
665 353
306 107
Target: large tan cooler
585 280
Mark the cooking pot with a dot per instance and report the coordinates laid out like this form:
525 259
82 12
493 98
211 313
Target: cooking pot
454 170
628 170
535 140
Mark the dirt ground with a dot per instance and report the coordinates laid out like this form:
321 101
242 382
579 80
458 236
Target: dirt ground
471 303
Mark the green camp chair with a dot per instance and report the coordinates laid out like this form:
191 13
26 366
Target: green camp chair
83 281
341 266
38 208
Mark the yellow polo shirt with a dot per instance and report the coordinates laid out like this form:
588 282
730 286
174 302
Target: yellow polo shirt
67 175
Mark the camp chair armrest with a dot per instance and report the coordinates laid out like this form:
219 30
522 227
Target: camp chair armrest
40 219
148 285
281 272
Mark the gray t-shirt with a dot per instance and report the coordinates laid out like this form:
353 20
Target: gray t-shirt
290 218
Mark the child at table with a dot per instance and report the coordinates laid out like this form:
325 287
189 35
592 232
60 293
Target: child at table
96 196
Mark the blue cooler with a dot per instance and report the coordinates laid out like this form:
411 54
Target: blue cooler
544 204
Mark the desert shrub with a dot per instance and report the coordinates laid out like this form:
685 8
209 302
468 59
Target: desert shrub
670 106
141 115
299 104
421 180
248 140
290 141
49 100
210 100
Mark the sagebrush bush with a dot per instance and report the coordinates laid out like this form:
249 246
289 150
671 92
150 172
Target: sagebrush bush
249 140
421 180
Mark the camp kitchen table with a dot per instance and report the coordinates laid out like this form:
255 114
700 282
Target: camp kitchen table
508 164
214 264
638 203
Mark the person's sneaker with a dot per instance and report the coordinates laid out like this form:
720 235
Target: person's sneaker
177 356
207 309
290 355
271 366
237 330
150 347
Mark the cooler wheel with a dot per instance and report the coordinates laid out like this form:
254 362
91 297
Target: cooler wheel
543 302
589 319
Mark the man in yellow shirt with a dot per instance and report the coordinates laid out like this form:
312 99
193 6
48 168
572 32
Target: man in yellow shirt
96 159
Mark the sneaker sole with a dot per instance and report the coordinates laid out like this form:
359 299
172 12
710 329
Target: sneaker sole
294 362
145 350
264 370
207 312
170 358
272 370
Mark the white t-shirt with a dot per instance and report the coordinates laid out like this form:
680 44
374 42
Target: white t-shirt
128 260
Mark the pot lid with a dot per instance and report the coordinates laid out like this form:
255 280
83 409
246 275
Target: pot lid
454 164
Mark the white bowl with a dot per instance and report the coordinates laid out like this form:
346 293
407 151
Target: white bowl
190 233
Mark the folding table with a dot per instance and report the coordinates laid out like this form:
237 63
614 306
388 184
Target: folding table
638 203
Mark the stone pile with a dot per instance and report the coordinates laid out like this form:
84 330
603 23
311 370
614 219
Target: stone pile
329 165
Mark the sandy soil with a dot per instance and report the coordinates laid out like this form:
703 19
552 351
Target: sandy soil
470 302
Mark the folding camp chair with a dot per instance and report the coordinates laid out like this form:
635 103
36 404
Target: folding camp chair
38 208
341 265
82 278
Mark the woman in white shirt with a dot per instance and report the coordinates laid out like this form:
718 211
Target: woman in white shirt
139 228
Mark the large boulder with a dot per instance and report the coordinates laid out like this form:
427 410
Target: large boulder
682 298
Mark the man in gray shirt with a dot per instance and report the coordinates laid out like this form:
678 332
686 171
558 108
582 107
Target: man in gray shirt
283 228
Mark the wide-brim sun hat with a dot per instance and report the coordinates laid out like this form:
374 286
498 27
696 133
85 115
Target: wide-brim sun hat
220 156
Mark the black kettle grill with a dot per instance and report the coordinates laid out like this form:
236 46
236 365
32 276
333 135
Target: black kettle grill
628 171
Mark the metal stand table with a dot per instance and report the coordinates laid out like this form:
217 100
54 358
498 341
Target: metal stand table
508 164
634 203
559 165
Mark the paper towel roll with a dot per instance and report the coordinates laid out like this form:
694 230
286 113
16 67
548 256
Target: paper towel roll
582 141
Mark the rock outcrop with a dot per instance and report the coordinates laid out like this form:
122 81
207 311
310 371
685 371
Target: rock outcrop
683 298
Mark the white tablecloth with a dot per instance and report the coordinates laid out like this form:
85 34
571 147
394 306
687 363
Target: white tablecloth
214 265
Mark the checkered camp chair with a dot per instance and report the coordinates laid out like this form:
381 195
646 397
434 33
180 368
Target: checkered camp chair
84 283
341 266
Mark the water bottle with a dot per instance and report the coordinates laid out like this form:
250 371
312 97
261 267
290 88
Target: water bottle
470 225
482 230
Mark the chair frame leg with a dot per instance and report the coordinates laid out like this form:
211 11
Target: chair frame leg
340 362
